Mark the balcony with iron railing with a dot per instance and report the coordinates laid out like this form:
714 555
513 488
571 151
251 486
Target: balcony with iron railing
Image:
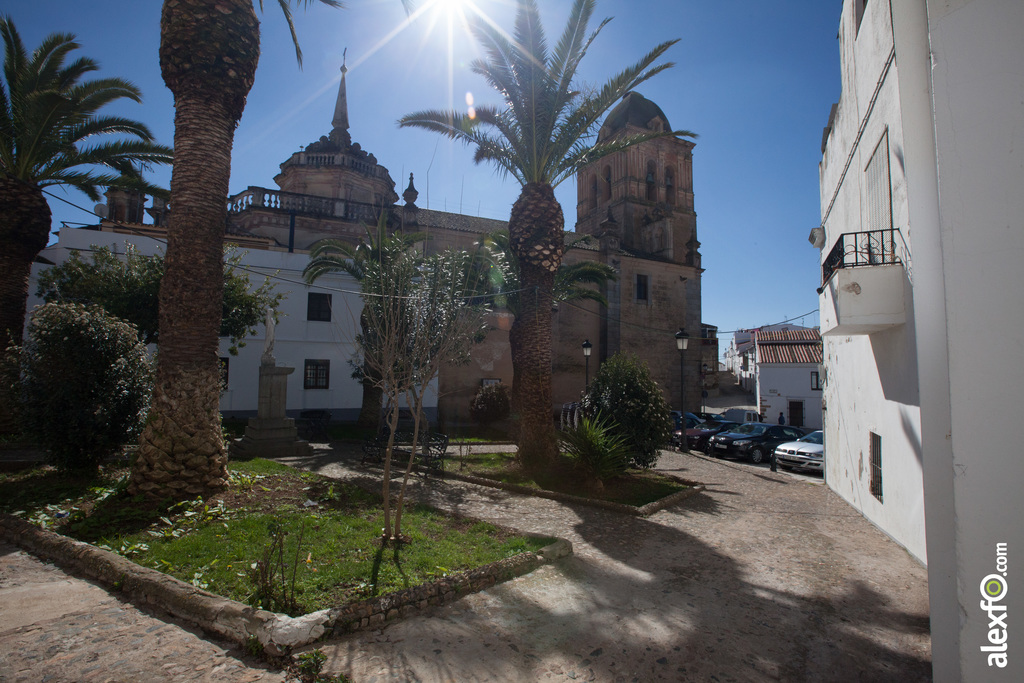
260 198
865 280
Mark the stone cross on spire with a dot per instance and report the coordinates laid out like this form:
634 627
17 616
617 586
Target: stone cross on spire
339 133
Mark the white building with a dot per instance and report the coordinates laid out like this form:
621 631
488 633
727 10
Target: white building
740 358
922 196
789 376
315 333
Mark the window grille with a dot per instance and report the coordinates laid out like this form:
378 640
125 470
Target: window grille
876 466
317 374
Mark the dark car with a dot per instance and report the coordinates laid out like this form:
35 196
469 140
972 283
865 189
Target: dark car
677 419
712 417
678 432
753 440
699 435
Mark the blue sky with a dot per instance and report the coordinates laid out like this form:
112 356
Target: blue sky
754 79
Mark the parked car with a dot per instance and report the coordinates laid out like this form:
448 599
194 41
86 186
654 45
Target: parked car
699 435
753 440
712 417
742 415
806 453
677 418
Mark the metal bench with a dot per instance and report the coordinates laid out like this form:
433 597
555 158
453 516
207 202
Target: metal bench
314 423
430 454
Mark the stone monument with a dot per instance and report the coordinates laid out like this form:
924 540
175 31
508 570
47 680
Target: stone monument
271 433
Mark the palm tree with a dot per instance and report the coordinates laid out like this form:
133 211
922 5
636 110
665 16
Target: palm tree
573 281
580 281
539 136
46 114
208 56
334 256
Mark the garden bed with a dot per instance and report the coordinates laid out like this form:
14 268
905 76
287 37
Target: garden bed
315 542
636 492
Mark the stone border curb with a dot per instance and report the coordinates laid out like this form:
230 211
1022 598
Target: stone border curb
642 511
238 623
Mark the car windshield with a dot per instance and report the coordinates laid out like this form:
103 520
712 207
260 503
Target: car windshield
814 437
750 428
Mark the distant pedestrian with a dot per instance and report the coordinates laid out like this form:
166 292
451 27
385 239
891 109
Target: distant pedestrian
782 419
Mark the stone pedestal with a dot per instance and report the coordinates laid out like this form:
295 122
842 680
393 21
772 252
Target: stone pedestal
271 434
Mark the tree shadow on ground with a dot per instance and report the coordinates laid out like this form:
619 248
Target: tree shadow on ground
681 596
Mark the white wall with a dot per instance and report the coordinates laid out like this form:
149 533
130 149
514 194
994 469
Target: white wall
780 383
972 316
871 380
296 339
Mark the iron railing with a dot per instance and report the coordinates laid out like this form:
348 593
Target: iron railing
871 248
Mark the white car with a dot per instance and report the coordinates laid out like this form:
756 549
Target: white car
807 453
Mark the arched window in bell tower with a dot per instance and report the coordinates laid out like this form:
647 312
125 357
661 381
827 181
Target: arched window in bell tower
670 186
593 191
652 182
607 188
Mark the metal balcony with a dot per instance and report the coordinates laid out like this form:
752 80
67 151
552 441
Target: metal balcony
864 283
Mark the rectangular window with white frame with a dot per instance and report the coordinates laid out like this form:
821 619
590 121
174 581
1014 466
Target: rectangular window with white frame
316 374
318 307
816 381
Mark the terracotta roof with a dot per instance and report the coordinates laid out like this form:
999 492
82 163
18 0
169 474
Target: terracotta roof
790 353
811 334
789 346
429 218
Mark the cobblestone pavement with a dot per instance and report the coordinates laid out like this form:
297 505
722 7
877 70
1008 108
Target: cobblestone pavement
764 576
55 627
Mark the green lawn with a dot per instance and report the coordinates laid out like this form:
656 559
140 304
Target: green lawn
264 542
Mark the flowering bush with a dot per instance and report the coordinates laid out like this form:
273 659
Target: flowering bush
623 388
83 383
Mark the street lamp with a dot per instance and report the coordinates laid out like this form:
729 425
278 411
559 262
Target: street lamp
587 346
703 386
681 341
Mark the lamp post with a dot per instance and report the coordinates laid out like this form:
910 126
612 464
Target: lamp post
703 387
587 346
681 342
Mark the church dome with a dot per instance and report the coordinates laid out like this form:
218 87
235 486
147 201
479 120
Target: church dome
634 110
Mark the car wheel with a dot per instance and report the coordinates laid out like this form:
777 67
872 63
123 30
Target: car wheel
709 450
756 455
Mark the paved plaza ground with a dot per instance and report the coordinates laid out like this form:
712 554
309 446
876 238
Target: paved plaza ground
763 576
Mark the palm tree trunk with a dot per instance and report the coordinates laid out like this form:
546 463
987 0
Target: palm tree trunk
24 231
535 233
208 59
182 448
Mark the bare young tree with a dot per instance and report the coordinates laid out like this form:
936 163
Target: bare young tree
420 314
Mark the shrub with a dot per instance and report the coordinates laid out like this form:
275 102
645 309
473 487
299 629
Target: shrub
623 387
595 449
84 383
490 404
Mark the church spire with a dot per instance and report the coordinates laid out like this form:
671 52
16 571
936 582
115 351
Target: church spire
339 133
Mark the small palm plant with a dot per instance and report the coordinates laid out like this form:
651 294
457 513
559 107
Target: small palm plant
597 451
